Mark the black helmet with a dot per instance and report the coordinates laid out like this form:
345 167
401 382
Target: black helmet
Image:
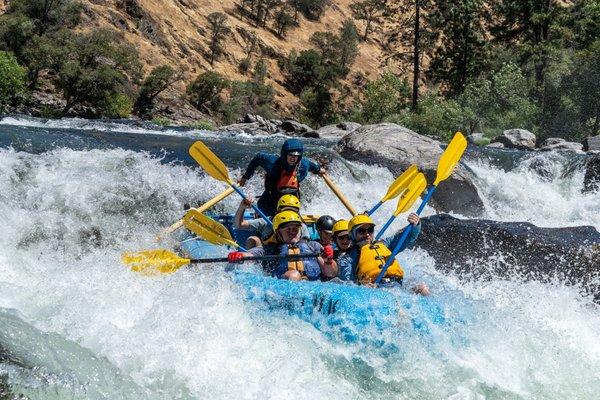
325 223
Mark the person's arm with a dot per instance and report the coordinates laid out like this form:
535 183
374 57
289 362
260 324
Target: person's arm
238 256
262 159
392 241
238 219
314 167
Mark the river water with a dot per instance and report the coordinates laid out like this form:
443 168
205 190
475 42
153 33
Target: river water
76 324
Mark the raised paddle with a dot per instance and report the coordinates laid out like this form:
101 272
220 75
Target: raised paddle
200 209
446 164
209 229
153 262
415 187
397 187
213 166
339 194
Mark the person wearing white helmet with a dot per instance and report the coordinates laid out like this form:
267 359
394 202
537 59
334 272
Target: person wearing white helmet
363 262
287 240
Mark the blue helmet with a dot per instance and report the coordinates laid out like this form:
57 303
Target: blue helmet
292 146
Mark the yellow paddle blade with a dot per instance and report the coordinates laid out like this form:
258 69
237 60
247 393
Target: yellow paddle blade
400 184
412 193
450 157
209 162
153 262
208 229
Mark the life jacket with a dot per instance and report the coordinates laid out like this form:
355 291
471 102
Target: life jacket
288 181
300 265
371 259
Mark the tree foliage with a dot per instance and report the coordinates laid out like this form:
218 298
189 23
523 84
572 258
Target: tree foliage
12 78
218 32
205 91
158 80
370 11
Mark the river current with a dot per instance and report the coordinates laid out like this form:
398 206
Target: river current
77 324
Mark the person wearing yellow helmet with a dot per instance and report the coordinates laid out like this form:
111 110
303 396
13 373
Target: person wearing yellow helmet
363 261
263 230
341 238
289 241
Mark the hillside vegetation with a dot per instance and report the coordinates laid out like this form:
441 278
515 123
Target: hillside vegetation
433 65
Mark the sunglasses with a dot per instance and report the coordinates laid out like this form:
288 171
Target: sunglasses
343 237
362 231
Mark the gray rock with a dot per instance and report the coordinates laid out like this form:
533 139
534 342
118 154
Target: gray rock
561 144
295 128
475 137
337 131
591 181
490 249
349 126
331 131
396 147
592 143
263 123
496 145
254 128
516 139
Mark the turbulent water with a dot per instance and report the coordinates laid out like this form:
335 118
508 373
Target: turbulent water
76 324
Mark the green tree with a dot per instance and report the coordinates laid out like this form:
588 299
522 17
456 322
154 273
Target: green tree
218 32
311 9
460 50
12 78
158 80
317 103
347 46
205 91
305 70
370 11
384 97
498 103
283 21
96 69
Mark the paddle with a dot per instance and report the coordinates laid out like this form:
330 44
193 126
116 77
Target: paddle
397 187
152 262
200 209
209 229
213 166
339 194
412 192
446 164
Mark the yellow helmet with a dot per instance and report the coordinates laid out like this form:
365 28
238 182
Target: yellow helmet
359 219
340 226
284 217
288 200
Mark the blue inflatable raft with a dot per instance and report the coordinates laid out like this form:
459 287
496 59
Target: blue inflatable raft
341 311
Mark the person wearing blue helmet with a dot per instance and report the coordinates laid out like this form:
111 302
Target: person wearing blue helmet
283 173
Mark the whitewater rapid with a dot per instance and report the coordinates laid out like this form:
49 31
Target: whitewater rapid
77 324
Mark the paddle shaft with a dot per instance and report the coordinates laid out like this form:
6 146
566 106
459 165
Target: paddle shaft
258 258
202 208
405 234
372 210
339 194
262 215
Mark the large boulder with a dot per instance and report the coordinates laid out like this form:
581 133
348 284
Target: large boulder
489 249
516 139
337 131
561 144
592 143
396 148
591 181
295 128
252 128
